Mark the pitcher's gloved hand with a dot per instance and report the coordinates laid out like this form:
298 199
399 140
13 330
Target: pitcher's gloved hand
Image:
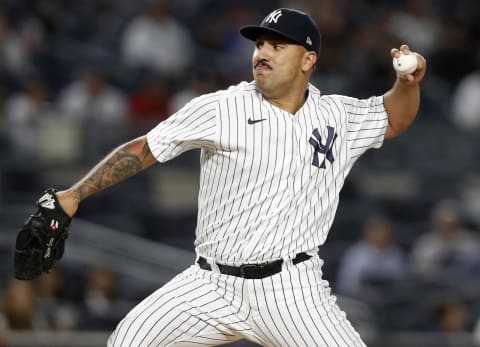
41 241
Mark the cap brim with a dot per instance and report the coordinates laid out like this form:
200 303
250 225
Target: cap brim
252 32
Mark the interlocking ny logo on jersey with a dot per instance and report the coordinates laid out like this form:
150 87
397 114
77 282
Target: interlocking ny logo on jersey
273 17
319 148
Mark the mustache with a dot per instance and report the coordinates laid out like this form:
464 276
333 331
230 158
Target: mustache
262 62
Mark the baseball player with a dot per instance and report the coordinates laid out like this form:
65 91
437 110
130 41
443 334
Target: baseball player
275 153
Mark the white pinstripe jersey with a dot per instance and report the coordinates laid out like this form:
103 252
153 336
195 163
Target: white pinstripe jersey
264 193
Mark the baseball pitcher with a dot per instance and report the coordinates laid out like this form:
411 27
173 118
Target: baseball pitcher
275 153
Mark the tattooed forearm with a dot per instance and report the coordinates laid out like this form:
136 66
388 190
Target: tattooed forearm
124 162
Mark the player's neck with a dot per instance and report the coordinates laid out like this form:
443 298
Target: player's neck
290 102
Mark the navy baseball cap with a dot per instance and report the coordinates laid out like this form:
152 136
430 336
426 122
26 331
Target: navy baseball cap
295 25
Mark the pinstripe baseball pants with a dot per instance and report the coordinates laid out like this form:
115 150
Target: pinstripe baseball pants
205 308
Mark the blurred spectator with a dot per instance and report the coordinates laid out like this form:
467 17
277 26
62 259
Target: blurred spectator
416 24
466 102
369 40
37 305
457 44
219 44
58 312
450 316
19 47
156 40
149 104
333 25
371 264
98 106
202 82
448 250
20 311
103 307
23 112
92 98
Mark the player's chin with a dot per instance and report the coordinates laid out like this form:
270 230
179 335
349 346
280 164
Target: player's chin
261 80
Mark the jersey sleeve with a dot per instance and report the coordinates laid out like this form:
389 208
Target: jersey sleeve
366 123
193 126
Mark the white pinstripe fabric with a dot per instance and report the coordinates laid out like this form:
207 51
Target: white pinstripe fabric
260 196
205 308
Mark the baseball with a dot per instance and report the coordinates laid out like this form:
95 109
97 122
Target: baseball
405 63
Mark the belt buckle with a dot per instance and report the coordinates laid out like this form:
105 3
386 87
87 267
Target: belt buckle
246 268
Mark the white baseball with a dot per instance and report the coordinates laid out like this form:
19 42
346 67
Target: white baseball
406 63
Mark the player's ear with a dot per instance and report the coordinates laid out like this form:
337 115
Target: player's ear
309 61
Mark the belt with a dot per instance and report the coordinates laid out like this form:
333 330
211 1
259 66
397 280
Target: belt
251 271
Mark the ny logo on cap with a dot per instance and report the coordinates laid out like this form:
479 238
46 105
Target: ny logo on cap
273 17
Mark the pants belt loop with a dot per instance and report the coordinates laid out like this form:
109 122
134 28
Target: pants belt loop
213 265
286 263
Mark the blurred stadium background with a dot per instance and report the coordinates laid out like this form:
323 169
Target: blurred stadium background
78 78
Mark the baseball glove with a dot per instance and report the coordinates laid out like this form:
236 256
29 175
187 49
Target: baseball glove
41 241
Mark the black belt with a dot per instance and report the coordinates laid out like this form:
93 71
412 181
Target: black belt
251 271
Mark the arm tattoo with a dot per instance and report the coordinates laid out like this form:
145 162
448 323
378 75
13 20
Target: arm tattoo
124 162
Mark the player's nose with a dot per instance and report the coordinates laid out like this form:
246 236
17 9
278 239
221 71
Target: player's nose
260 56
